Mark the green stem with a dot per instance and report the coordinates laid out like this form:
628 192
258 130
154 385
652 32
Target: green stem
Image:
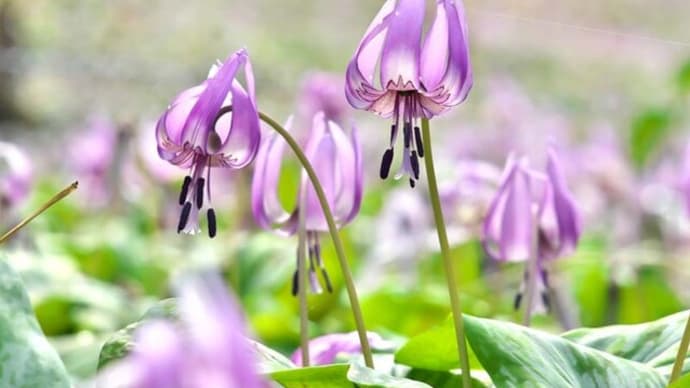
682 353
302 286
333 229
532 273
445 253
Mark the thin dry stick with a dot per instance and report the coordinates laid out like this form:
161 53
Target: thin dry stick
55 199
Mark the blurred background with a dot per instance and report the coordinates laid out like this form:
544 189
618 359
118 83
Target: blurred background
83 82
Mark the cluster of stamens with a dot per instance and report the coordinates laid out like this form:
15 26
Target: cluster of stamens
315 262
194 189
406 109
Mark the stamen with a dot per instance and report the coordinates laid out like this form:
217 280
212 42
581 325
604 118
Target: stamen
185 189
412 183
394 131
415 164
546 301
407 134
327 280
314 282
322 268
200 192
386 163
184 216
418 141
295 284
211 216
518 299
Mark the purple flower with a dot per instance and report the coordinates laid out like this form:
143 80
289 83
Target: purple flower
194 134
326 349
15 178
533 216
323 92
684 184
92 153
338 164
208 348
415 80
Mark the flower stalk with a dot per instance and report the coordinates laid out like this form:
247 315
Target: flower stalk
532 273
448 263
333 230
682 353
55 199
302 285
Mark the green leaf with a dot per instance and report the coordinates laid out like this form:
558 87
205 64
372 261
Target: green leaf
647 133
516 356
270 360
450 379
122 342
653 343
434 350
682 382
341 375
683 78
26 357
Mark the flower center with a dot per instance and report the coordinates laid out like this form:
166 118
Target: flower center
408 110
194 189
315 261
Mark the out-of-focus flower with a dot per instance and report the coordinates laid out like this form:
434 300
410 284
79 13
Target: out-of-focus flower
533 216
415 80
195 133
323 92
209 347
684 184
15 175
338 164
92 154
327 349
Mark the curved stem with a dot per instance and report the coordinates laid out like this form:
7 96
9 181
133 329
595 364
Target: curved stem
445 253
302 286
682 353
532 273
333 230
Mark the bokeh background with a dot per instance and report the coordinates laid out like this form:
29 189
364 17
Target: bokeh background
82 83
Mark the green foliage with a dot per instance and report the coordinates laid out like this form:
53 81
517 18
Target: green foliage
648 131
26 358
683 78
516 356
341 375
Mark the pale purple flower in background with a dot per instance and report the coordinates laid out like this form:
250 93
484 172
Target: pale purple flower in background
337 160
684 184
208 348
193 133
323 92
396 75
92 155
15 175
533 216
328 349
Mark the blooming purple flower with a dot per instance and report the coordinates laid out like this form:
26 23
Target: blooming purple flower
195 134
92 153
533 215
15 175
323 92
209 347
338 164
326 349
415 80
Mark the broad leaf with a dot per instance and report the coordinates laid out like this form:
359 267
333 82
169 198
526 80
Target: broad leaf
653 343
26 357
450 379
341 375
516 356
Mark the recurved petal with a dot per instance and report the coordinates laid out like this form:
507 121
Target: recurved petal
359 87
357 189
240 132
321 152
402 47
567 216
446 71
266 207
346 174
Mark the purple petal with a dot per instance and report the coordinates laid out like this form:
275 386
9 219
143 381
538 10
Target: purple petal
402 47
567 216
446 71
321 152
16 183
359 177
266 207
242 135
360 90
324 350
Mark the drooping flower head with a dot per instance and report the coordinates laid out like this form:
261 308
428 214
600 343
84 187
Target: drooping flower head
533 216
394 74
208 348
326 349
323 92
337 161
195 133
15 175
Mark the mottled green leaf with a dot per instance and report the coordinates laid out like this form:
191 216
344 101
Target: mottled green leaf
516 356
27 360
653 343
